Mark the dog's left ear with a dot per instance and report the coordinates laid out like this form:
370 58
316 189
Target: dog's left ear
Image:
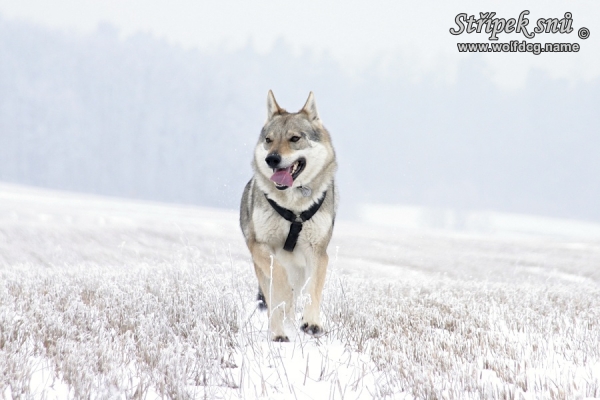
310 109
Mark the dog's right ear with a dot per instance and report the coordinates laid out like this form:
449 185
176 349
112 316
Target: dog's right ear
273 108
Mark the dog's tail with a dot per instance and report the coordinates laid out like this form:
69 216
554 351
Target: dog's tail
260 300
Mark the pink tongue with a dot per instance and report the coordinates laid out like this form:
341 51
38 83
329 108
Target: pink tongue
283 177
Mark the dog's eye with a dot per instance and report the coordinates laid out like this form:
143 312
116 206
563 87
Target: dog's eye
268 140
294 138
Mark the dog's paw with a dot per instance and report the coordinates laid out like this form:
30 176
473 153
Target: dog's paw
281 339
313 330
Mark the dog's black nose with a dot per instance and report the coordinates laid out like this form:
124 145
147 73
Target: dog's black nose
273 160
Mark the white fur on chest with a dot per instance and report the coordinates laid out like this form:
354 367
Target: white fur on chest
272 229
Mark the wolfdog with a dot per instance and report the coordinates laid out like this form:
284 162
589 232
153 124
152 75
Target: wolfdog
287 214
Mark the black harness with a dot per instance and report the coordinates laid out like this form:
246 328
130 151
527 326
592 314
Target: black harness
296 220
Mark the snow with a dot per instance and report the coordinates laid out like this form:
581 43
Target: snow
500 224
109 298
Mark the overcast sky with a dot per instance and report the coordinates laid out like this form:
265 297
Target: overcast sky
355 33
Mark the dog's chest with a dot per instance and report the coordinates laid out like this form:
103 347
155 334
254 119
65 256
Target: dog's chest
273 229
299 264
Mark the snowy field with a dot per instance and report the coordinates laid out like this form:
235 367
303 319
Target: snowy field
107 298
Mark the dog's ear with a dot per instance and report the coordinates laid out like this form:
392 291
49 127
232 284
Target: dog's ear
310 109
273 108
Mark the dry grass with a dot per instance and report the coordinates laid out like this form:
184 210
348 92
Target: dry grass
171 331
184 325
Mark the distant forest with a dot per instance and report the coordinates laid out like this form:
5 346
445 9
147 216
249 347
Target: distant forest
142 118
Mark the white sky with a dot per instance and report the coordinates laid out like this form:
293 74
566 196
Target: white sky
355 33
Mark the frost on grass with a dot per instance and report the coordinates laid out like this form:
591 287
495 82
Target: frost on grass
109 331
176 331
173 316
454 339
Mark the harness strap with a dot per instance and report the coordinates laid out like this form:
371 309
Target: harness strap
296 220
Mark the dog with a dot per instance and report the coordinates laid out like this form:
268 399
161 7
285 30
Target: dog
287 214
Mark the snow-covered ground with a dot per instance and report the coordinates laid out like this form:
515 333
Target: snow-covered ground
477 222
109 298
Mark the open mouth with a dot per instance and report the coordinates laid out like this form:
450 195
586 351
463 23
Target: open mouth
284 177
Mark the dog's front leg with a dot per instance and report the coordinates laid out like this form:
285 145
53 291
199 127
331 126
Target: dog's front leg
311 320
276 288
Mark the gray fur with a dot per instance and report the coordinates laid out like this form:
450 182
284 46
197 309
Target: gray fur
294 136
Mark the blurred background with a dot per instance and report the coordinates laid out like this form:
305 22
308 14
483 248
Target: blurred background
165 100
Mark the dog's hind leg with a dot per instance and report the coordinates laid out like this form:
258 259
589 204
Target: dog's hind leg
276 289
260 299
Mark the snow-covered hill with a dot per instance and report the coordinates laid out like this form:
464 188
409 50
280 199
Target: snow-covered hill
107 298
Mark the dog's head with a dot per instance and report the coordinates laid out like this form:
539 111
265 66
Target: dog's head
293 147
